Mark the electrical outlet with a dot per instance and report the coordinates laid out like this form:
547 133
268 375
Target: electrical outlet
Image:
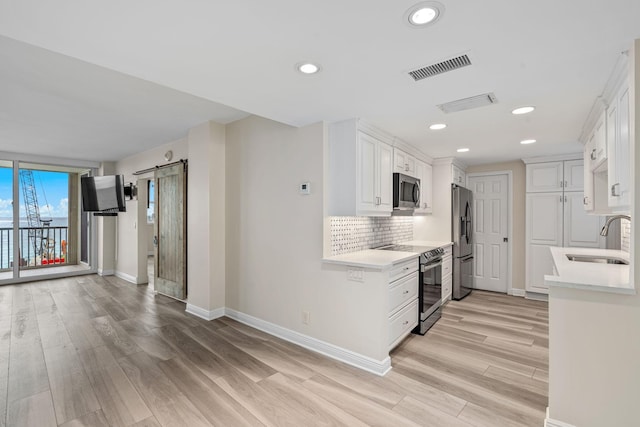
355 274
306 317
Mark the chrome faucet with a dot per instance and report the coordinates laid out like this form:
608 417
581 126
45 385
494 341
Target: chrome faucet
605 229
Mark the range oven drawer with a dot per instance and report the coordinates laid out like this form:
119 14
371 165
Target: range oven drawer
402 291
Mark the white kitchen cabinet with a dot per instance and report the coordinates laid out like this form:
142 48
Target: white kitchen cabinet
404 162
619 151
458 176
556 218
360 170
545 177
598 154
555 176
402 301
424 172
447 277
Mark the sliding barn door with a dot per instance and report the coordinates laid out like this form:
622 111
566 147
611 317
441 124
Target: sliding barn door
170 230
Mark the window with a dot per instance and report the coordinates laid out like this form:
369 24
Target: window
150 201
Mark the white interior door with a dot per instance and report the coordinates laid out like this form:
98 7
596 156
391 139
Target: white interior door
491 231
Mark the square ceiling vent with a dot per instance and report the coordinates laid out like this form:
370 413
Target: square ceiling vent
469 103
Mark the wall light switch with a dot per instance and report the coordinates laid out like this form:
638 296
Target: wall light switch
305 188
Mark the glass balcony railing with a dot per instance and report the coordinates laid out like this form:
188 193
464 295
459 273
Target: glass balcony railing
40 247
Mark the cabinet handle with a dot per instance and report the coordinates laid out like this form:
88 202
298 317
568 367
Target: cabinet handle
614 193
561 184
585 200
405 292
406 167
593 154
565 199
405 323
560 199
566 184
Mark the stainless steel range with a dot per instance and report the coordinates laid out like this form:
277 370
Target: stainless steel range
430 283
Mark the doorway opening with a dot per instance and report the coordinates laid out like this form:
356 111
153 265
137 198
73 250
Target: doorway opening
43 231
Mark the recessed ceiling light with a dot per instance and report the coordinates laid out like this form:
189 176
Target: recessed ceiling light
523 110
307 67
527 141
423 14
462 150
437 126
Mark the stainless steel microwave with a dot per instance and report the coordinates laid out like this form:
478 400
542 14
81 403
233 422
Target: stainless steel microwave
406 192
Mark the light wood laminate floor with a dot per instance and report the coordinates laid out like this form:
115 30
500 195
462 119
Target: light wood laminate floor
96 351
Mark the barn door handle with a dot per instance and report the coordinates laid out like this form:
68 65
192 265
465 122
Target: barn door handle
505 239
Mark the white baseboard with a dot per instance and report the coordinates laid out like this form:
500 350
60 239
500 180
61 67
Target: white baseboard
518 292
536 296
203 313
550 422
127 277
105 272
378 367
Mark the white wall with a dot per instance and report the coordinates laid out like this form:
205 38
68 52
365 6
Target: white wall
206 219
131 226
275 236
106 234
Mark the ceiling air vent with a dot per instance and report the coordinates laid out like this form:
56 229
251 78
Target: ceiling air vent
440 67
469 103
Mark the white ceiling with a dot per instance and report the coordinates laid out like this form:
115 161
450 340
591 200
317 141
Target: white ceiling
556 55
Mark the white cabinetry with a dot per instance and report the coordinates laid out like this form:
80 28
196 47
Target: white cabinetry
402 301
360 170
424 172
404 162
619 150
447 274
555 218
458 176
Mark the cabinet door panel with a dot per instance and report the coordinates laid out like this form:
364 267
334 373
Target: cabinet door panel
574 175
385 177
427 188
366 194
544 214
545 177
623 151
580 229
539 263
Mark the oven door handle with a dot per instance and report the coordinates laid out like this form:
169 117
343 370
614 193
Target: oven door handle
431 266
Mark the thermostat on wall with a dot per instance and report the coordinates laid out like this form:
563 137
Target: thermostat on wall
305 188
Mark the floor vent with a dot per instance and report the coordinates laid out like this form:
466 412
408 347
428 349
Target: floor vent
440 67
469 103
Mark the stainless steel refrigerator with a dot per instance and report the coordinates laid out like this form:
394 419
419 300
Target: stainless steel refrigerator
462 237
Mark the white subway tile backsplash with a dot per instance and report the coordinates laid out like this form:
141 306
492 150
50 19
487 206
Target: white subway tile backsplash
625 235
351 234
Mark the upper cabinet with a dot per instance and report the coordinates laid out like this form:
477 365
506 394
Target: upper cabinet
567 175
607 148
424 172
360 170
458 176
619 149
404 163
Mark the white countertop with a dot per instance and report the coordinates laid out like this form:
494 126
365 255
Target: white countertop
379 259
613 278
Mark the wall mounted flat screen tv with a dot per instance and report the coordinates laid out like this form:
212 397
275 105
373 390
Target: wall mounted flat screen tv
103 194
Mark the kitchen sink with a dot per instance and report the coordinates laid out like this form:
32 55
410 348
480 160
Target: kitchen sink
603 259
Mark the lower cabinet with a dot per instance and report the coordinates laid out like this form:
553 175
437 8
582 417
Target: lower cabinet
556 219
447 274
402 322
402 301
